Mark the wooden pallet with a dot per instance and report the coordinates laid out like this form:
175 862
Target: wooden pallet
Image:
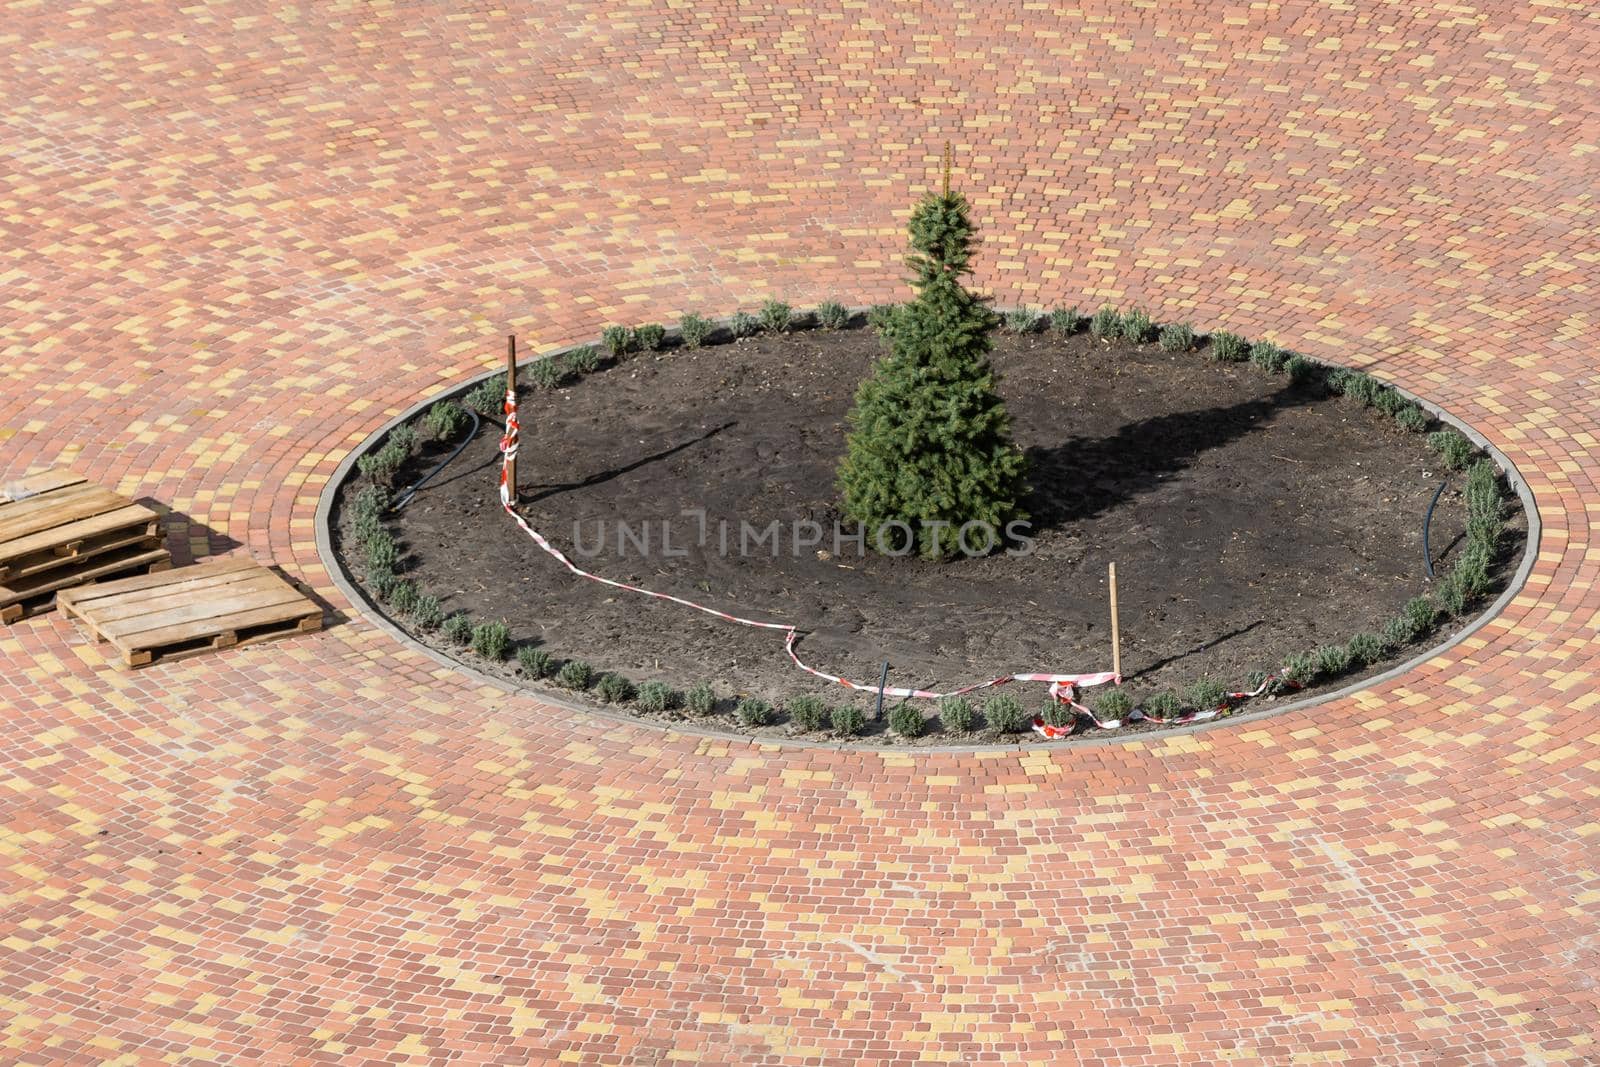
218 604
58 531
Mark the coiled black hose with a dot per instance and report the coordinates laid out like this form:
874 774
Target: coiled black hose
1427 523
465 441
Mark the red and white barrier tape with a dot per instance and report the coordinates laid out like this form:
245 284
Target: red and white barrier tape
508 448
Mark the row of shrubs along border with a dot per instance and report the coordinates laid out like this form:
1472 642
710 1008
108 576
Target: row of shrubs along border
1453 595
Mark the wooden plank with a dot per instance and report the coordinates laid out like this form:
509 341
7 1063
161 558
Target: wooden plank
197 618
71 539
113 613
272 632
43 482
194 576
48 510
16 601
223 628
86 550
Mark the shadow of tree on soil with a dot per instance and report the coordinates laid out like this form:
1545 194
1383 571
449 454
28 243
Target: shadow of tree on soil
1084 477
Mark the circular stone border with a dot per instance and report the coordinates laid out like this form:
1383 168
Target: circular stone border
359 598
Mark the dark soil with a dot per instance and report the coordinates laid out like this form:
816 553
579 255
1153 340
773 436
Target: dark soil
1248 518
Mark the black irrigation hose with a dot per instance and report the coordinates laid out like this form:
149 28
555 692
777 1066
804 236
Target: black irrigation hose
1427 552
465 441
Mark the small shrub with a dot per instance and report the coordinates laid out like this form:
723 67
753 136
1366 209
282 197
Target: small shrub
1268 356
1472 570
1364 650
489 396
651 336
1411 419
1361 386
1112 704
657 697
535 662
1006 714
403 597
427 614
1177 337
1207 693
1055 714
1301 369
547 373
1452 593
1420 613
1228 347
776 316
1137 327
444 420
373 499
614 689
381 553
585 359
957 715
1254 680
383 583
753 711
366 527
1483 492
809 712
1024 320
575 674
403 438
619 340
1483 533
1299 668
907 721
491 640
380 466
701 699
1388 400
847 720
1165 705
695 330
881 318
1106 324
457 629
1397 632
1332 660
1068 321
744 324
832 315
1454 449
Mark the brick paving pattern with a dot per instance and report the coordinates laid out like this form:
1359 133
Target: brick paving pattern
238 236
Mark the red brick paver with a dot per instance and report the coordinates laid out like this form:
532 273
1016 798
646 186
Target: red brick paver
237 235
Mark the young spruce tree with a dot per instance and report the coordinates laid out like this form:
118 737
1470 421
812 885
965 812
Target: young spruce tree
930 441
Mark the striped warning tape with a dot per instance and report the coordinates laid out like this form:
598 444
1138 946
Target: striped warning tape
509 443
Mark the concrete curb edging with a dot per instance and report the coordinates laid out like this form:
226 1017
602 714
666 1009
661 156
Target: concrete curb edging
359 599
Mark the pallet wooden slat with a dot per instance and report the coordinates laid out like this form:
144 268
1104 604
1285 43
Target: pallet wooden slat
213 605
32 595
85 537
58 530
194 576
37 513
29 485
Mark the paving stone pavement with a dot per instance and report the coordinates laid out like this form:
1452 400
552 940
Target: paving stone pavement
239 235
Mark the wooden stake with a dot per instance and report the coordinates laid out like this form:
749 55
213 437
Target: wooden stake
947 170
511 390
883 683
1116 633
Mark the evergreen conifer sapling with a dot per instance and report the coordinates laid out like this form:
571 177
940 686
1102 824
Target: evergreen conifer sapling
930 443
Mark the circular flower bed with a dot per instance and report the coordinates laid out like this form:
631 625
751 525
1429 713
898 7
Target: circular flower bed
1265 512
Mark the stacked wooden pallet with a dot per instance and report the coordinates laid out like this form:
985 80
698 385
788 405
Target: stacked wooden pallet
59 531
218 604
